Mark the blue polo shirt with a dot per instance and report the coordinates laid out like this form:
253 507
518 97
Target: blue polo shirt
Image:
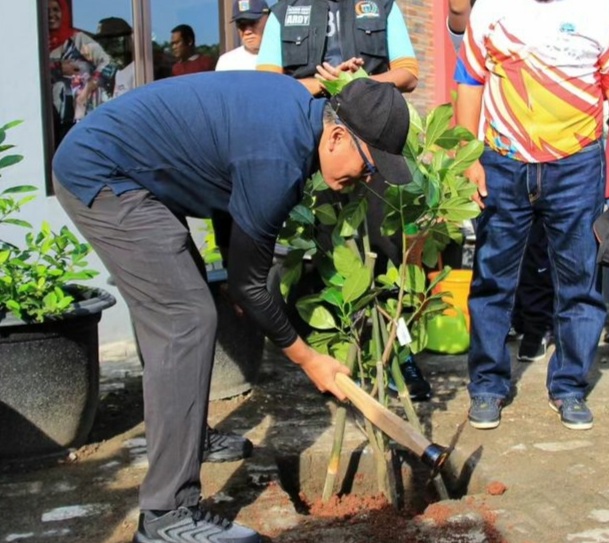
242 142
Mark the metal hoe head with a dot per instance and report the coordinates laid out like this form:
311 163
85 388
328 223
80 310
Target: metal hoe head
435 456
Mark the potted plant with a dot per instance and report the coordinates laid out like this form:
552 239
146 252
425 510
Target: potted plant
372 322
49 362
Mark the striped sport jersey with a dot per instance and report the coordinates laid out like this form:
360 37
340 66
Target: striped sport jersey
545 70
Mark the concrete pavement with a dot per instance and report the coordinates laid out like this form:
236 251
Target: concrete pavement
557 480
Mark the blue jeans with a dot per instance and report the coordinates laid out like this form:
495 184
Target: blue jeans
566 195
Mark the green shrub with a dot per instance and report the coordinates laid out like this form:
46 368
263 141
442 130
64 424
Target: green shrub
33 278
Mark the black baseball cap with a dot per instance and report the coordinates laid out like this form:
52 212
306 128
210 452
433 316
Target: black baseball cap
377 114
113 27
249 10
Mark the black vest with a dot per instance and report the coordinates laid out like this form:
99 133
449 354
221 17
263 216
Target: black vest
303 34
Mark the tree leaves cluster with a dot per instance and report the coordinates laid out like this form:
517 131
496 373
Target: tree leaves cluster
33 278
428 210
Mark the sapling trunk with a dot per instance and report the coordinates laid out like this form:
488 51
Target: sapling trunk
385 475
396 373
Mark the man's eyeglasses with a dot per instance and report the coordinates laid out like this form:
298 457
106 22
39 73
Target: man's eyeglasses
370 168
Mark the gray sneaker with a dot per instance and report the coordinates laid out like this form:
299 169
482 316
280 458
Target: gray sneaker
191 525
225 446
574 413
485 411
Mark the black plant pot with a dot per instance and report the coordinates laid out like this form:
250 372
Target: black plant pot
49 379
239 342
239 351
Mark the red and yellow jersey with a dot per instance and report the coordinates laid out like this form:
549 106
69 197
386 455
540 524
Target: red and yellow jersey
545 71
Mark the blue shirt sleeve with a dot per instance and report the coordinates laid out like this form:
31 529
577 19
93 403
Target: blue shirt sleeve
270 49
398 39
462 76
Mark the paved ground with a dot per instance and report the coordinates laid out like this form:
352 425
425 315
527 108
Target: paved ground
557 480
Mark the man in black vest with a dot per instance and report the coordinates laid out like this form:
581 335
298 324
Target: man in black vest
301 35
313 39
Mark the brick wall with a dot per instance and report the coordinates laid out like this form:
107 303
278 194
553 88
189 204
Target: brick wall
419 20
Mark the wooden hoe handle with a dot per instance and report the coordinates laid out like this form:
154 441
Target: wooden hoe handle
395 427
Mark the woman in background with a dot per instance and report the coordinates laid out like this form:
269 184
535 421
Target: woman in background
79 69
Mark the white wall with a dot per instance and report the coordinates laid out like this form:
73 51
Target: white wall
20 98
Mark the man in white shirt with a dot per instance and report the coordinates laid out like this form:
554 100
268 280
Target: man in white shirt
250 17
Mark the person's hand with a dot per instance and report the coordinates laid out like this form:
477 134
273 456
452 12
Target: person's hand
69 68
351 65
331 73
322 370
475 173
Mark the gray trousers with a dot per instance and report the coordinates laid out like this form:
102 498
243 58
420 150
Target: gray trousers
161 276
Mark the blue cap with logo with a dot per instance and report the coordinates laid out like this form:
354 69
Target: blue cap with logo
249 10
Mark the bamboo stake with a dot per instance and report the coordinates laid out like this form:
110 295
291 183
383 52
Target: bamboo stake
341 413
339 434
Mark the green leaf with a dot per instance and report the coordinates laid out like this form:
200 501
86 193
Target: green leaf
467 155
326 214
50 301
317 183
315 314
322 319
438 122
333 296
302 215
329 274
352 216
458 209
430 255
432 192
10 160
437 277
391 278
79 276
17 222
346 261
317 339
418 331
356 284
13 305
10 125
20 188
365 300
290 275
340 350
392 223
336 85
65 303
303 244
453 137
413 144
413 277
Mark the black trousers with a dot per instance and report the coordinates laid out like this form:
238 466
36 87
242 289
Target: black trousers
534 304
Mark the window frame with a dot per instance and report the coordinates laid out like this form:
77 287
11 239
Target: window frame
142 55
